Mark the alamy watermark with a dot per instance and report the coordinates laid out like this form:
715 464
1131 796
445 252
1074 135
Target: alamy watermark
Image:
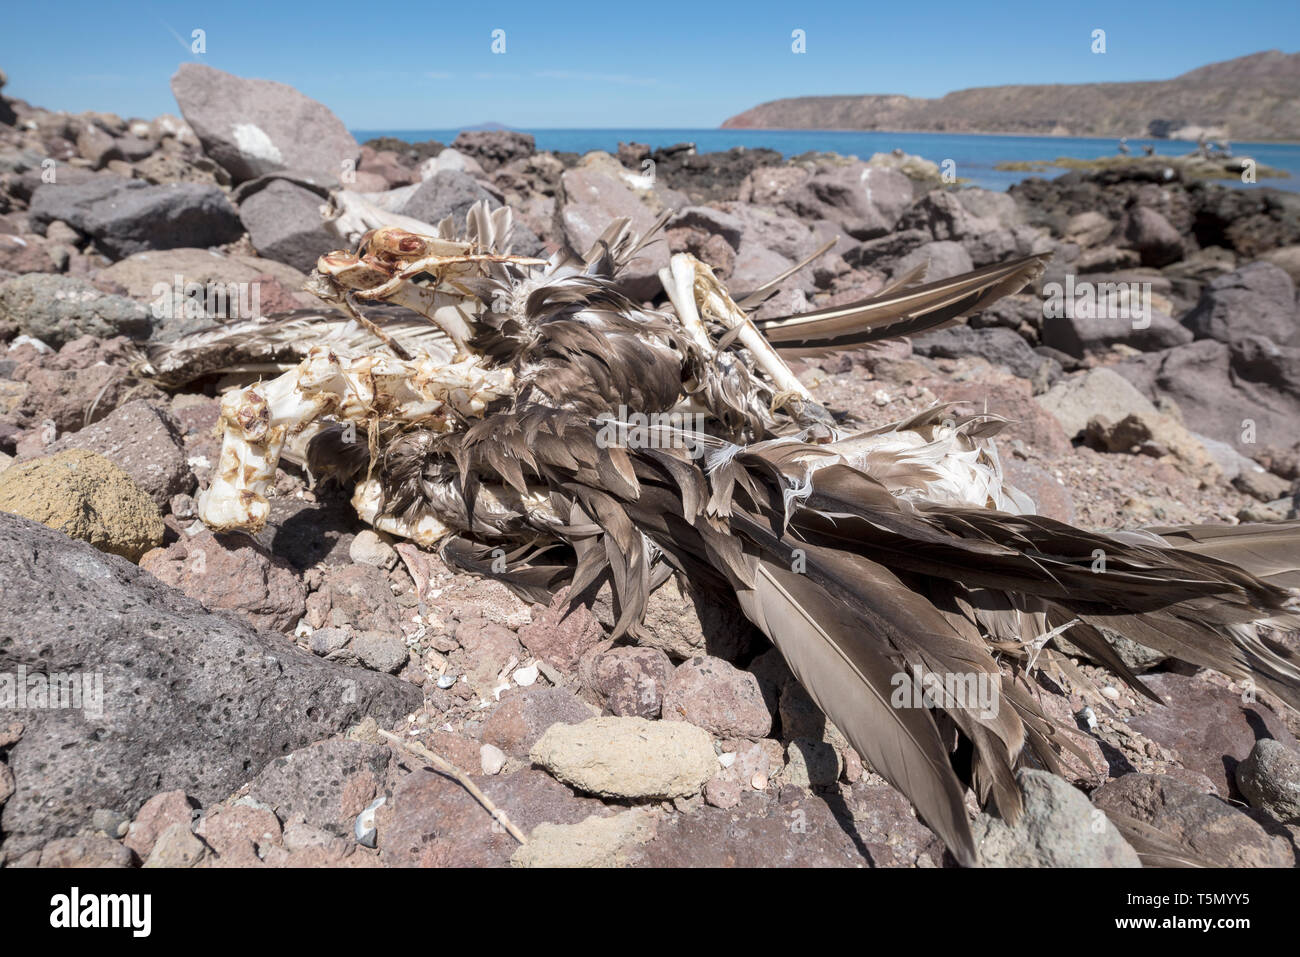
212 300
24 690
654 430
977 691
1098 300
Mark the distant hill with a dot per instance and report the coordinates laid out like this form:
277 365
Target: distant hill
1254 97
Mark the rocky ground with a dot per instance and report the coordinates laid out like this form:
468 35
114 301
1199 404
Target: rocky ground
246 682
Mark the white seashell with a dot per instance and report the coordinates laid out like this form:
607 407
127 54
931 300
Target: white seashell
525 676
364 827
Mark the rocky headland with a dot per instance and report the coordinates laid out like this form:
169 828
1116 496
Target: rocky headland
1253 97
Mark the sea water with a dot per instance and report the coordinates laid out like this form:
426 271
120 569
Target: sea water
974 155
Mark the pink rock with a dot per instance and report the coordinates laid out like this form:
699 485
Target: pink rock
431 821
1211 728
235 833
560 635
631 680
232 572
717 696
486 648
1212 830
524 715
156 815
1051 497
85 851
357 597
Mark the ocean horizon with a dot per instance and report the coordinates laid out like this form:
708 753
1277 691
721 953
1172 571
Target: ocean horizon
974 154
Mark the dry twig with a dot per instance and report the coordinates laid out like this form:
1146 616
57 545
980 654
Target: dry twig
447 767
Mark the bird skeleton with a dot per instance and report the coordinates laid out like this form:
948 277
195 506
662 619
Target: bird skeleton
868 557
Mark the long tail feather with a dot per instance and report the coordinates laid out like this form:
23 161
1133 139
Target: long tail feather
899 312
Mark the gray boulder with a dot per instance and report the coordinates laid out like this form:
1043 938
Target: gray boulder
1246 393
1156 240
126 216
943 259
942 214
985 203
1076 335
133 148
452 193
1058 828
446 193
191 700
1104 392
255 127
284 222
57 309
70 197
998 346
866 201
323 782
989 225
1258 299
1270 780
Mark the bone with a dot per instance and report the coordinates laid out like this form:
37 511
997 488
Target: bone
258 419
351 215
426 532
712 300
678 280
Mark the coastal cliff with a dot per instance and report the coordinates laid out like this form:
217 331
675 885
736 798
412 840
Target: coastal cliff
1255 97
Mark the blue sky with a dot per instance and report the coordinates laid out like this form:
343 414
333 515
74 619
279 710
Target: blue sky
620 63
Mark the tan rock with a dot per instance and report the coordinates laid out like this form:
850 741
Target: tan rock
628 757
1160 436
87 497
595 842
176 847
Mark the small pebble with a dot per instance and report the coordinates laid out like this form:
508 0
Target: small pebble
492 759
113 823
183 506
369 549
446 681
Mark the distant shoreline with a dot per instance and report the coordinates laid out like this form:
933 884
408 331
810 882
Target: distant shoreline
1132 138
364 134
